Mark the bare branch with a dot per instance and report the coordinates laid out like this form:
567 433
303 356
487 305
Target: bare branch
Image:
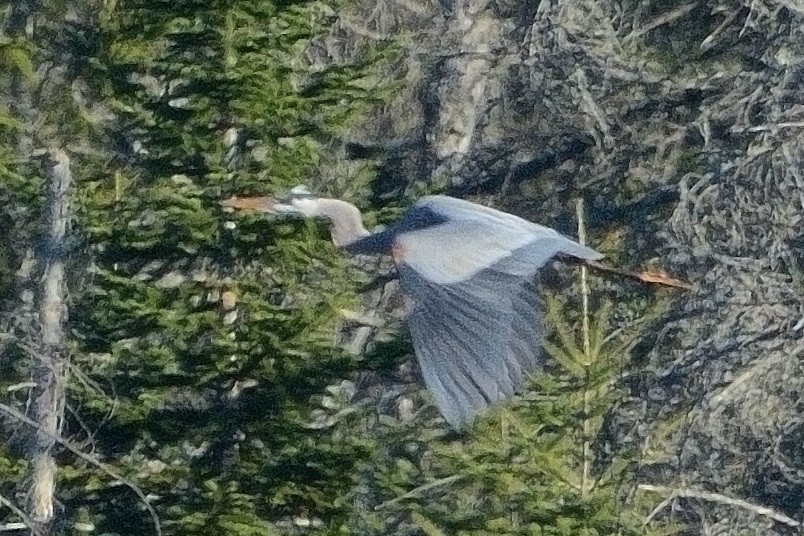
48 371
11 412
27 522
665 18
718 498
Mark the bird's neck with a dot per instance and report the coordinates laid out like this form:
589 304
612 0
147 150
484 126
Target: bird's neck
347 232
346 223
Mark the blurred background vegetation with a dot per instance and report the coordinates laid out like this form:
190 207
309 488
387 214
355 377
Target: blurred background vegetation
207 365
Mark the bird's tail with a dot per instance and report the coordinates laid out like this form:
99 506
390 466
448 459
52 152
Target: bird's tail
579 251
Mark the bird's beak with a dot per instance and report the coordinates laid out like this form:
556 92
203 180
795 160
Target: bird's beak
260 204
269 205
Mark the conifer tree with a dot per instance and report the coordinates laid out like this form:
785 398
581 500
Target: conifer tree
195 346
206 387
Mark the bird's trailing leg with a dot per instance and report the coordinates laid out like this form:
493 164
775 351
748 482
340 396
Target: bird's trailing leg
650 276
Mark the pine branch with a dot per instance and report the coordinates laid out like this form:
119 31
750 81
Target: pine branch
414 492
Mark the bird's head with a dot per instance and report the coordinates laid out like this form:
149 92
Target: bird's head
344 218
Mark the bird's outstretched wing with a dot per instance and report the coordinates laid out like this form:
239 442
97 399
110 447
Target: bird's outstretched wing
474 346
474 320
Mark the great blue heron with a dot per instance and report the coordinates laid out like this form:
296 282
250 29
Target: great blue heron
469 272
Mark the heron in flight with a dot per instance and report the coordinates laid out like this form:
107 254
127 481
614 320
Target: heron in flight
469 272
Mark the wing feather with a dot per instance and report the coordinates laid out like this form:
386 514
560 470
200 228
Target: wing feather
473 237
460 337
475 319
525 333
462 318
457 399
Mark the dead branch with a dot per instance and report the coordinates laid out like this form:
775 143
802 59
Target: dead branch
715 497
92 460
47 397
665 18
27 522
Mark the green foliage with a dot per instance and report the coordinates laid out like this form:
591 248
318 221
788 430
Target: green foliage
197 346
153 324
529 467
15 57
202 347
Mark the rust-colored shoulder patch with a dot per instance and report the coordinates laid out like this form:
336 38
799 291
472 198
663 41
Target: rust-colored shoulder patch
398 252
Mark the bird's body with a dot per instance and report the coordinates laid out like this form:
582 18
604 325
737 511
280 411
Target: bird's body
448 240
469 272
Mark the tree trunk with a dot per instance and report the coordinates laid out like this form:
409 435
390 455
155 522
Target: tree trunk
49 368
474 37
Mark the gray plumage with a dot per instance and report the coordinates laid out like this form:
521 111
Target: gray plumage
469 272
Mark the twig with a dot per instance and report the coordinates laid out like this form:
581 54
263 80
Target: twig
90 434
360 319
420 489
587 351
644 278
718 498
91 460
661 506
664 18
765 128
20 386
708 43
91 384
13 527
27 522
